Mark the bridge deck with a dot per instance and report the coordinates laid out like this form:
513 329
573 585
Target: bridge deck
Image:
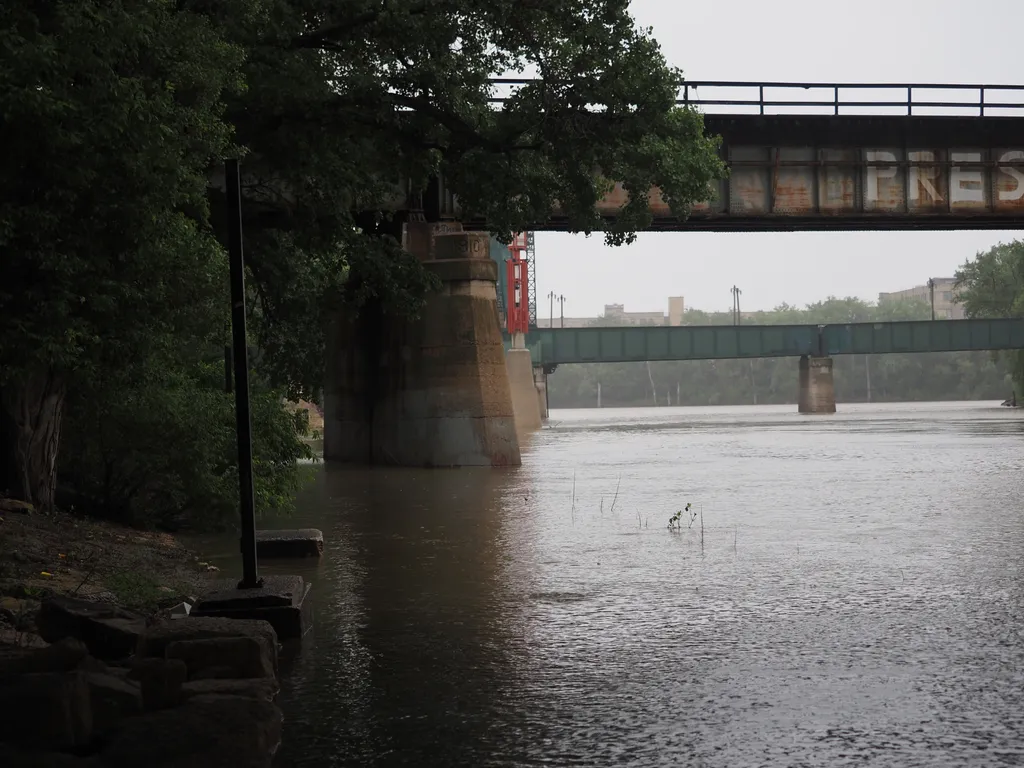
561 346
835 156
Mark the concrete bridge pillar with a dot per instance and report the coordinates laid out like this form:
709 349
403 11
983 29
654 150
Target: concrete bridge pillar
524 391
817 389
429 392
540 381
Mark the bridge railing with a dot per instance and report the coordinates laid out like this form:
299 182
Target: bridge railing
619 344
779 98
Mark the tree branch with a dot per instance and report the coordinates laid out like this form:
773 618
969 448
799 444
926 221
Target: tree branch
326 35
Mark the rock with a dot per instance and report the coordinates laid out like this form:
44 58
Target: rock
208 731
20 612
12 757
19 639
112 699
46 708
64 656
156 639
18 507
304 542
161 681
214 673
108 632
241 657
265 689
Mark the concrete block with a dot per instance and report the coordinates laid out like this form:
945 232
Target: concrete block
281 602
299 543
817 387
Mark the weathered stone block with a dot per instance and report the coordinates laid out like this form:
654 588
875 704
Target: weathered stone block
206 732
281 602
112 699
46 708
304 542
107 631
266 689
161 681
13 757
156 639
233 657
63 656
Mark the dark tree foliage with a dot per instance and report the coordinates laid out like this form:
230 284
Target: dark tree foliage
116 117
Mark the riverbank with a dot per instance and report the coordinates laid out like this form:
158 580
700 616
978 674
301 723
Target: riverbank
67 555
100 665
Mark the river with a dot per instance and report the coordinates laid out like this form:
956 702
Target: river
856 597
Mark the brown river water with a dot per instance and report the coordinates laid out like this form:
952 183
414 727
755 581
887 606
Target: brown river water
858 598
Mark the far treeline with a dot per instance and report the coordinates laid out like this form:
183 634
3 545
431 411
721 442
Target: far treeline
990 285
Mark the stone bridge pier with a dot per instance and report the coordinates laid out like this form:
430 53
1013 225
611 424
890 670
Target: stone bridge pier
430 392
817 388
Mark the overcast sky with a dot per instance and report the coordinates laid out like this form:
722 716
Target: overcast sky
894 41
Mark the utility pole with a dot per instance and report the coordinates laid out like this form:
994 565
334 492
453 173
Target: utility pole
561 310
551 317
931 294
736 305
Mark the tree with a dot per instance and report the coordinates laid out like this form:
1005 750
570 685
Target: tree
112 112
116 115
344 100
992 285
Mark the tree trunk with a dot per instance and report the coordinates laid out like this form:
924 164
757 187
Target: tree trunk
31 412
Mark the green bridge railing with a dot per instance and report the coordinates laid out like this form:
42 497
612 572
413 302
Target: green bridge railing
563 346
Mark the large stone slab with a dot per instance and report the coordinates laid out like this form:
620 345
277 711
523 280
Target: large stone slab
206 732
225 657
281 601
158 637
113 699
46 710
299 543
108 632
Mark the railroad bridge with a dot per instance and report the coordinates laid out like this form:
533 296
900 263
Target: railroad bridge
801 156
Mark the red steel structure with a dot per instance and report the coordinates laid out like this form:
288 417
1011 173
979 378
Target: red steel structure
518 299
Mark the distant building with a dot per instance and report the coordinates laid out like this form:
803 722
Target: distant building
616 314
946 308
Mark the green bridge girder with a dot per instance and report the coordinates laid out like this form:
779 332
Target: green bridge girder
563 346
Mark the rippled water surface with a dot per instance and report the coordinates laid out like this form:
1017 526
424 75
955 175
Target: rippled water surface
857 599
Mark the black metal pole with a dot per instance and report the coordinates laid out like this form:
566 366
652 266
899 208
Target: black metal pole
931 295
227 369
247 505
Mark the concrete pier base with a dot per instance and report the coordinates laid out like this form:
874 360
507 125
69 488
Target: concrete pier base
524 390
300 543
540 381
429 392
817 388
282 602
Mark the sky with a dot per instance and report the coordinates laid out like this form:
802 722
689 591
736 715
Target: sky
943 41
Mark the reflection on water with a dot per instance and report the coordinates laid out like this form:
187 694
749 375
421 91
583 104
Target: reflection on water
857 599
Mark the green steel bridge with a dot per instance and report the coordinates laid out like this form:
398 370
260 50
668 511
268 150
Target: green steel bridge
562 346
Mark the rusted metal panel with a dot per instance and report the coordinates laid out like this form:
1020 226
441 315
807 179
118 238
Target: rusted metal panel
749 180
927 181
837 181
793 184
883 186
969 188
1007 180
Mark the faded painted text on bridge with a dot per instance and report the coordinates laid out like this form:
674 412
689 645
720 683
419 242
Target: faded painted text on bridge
801 181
